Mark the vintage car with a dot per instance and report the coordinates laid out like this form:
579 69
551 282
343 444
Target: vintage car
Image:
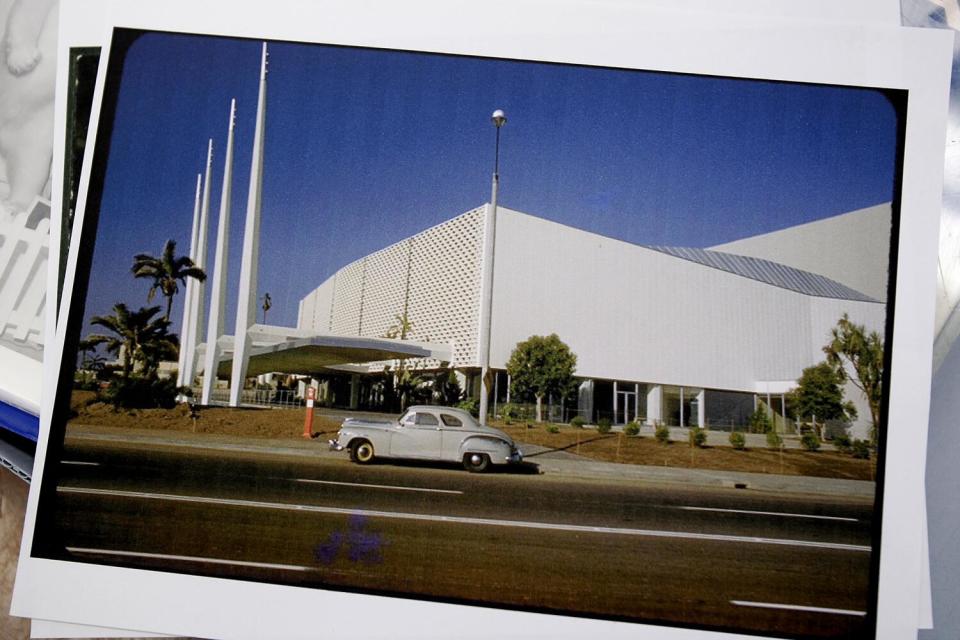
427 433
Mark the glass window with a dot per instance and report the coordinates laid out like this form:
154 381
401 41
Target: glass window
409 419
427 420
450 421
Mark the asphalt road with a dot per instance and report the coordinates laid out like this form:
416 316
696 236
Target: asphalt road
706 557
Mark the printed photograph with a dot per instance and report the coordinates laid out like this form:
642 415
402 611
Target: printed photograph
597 342
28 37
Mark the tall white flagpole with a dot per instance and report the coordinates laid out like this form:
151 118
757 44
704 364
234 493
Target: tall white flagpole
211 358
247 294
188 294
200 261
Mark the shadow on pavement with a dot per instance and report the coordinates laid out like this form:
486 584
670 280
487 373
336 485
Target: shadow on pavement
523 468
572 445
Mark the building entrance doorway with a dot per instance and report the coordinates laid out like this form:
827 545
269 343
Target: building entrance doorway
625 408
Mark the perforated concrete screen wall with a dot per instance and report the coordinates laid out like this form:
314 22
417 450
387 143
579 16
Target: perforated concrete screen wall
433 277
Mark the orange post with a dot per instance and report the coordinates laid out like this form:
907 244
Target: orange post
308 419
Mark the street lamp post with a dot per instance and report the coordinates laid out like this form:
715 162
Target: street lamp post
499 119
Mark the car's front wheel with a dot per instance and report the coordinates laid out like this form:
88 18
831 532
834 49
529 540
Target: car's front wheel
361 451
476 462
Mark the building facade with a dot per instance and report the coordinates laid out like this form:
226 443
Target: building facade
662 334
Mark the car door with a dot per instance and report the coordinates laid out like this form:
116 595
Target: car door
418 436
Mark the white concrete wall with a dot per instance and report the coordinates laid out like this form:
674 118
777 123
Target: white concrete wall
852 248
632 313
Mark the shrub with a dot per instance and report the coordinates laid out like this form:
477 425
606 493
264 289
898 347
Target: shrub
470 405
143 393
577 422
860 449
632 429
603 425
774 441
697 437
552 428
842 443
810 441
508 412
760 421
738 441
662 434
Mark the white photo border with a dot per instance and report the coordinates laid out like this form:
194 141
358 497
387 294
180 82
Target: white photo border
915 60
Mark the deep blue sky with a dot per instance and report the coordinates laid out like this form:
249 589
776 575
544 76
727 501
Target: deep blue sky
365 147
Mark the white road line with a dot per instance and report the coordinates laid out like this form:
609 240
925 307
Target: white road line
713 537
797 607
163 556
79 463
770 513
378 486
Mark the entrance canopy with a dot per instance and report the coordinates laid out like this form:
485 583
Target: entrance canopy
289 350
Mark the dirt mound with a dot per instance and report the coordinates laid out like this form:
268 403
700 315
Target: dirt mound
252 422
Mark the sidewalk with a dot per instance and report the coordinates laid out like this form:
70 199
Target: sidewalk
567 464
552 463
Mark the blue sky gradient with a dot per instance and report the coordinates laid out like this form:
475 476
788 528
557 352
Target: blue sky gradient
366 147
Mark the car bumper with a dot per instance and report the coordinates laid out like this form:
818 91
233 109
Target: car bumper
515 458
336 446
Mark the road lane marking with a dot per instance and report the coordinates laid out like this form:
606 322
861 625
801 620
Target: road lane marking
79 463
797 607
163 556
378 486
230 502
770 513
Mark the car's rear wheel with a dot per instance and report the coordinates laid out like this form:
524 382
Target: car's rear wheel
361 452
476 462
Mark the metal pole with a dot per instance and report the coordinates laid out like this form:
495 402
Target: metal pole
498 119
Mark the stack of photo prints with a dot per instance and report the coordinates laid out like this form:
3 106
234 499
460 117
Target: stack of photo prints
460 320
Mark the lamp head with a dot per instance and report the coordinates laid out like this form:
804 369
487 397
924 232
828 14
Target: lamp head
499 118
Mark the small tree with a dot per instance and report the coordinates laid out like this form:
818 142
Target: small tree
819 393
541 366
862 352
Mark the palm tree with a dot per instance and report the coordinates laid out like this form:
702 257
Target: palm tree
137 337
91 362
406 383
168 272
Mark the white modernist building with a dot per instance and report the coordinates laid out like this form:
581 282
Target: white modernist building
675 335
